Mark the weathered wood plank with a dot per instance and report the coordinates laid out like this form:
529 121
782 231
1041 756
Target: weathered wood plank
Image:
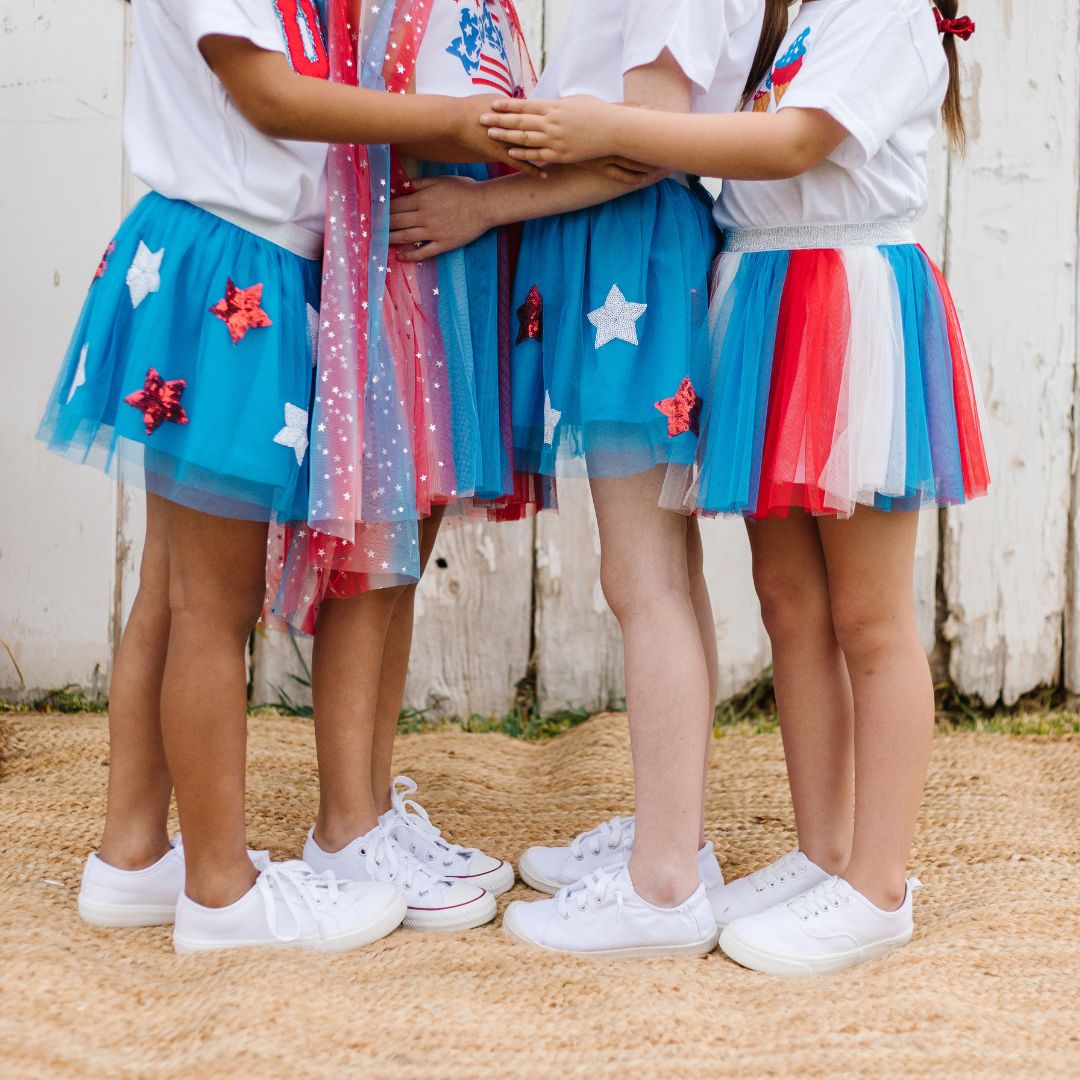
1013 266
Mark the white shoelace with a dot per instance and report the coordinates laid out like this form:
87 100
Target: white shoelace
300 890
595 889
616 833
386 860
783 869
819 900
414 817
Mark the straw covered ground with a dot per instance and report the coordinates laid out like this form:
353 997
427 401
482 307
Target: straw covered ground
989 987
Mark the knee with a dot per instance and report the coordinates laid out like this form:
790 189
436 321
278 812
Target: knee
232 606
791 607
866 629
633 590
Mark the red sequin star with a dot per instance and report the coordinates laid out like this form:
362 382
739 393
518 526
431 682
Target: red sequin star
159 401
531 314
683 410
104 264
241 310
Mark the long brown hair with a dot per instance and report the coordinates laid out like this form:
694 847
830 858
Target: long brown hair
774 30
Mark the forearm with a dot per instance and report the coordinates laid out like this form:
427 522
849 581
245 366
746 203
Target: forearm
525 198
737 146
449 150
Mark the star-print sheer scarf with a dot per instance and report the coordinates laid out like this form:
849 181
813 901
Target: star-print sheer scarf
381 437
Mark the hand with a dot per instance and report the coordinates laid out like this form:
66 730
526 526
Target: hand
476 144
442 214
625 171
566 132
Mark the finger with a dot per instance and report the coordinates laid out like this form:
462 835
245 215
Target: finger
624 176
518 123
409 236
518 105
404 219
519 138
405 204
422 254
537 155
425 182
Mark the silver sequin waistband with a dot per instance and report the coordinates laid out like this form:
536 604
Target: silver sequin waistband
291 237
804 237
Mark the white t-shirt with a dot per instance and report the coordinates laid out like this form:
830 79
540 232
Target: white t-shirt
186 139
713 41
878 68
468 49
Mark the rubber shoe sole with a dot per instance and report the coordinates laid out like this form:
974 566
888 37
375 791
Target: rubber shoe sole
771 963
498 881
535 880
642 952
119 916
385 923
467 916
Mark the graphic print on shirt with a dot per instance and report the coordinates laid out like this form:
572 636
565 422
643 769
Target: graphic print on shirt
481 48
303 31
788 66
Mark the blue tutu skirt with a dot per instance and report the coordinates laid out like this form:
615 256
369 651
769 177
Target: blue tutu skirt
190 370
612 340
840 379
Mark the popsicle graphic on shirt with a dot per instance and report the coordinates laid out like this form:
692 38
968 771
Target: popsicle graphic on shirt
788 66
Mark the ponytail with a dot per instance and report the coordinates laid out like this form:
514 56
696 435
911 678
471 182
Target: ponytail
951 28
773 31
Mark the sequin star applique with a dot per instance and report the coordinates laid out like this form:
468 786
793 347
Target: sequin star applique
294 433
241 310
144 274
79 378
531 316
104 264
313 334
683 410
552 416
159 401
617 319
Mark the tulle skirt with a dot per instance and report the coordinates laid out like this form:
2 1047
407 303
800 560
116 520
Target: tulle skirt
190 369
611 335
839 379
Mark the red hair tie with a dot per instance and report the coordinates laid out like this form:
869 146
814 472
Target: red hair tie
962 28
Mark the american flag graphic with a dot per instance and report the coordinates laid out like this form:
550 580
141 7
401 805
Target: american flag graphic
482 46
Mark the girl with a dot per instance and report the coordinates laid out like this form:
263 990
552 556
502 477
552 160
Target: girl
841 390
611 332
418 354
190 373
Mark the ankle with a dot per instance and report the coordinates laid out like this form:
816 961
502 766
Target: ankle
334 833
664 887
133 851
886 891
832 858
218 887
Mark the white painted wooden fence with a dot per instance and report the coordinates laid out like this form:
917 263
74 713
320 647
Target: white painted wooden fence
997 583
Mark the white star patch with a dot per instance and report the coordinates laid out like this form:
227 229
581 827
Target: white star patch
551 420
617 319
313 334
294 433
79 378
143 276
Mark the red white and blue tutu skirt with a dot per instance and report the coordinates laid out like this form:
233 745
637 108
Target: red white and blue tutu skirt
839 379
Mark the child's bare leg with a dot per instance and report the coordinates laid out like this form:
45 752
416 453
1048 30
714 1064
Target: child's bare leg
870 562
216 587
699 596
395 670
347 667
136 822
813 695
646 582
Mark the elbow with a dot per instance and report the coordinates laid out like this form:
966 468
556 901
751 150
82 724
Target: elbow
797 158
266 109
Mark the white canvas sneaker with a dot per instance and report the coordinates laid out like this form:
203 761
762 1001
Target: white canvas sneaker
829 928
118 898
413 829
549 869
776 883
603 916
434 902
291 905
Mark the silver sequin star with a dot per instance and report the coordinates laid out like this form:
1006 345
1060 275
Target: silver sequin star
79 379
552 417
144 274
617 319
294 433
313 334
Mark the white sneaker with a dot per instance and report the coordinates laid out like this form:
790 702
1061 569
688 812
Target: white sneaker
776 883
116 898
549 869
434 902
113 897
412 828
291 905
829 928
604 916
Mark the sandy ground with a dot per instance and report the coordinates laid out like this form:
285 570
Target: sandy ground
989 987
